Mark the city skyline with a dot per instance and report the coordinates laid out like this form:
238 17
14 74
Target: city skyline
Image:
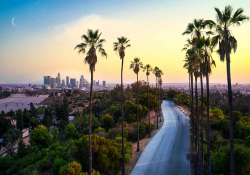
58 36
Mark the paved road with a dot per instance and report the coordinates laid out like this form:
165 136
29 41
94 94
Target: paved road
166 152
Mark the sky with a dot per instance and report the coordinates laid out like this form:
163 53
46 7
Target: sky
45 33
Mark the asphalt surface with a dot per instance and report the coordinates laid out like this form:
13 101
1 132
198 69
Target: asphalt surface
166 152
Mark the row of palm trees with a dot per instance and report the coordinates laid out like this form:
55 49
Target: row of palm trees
93 41
205 36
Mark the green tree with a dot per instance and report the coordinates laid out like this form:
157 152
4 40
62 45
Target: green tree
228 43
19 117
47 120
107 122
55 135
40 137
94 42
136 65
72 168
71 132
120 47
22 150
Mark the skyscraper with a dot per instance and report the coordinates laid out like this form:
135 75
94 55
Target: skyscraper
63 83
58 82
104 84
48 81
45 80
73 82
81 82
58 75
77 84
67 81
53 83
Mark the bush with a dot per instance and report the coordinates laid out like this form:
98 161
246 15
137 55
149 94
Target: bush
72 168
107 122
58 163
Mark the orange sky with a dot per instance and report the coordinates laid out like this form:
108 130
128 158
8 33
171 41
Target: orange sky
155 35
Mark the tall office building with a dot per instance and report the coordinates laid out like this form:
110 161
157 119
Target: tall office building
97 83
48 80
58 82
67 81
81 82
63 83
73 82
94 83
45 80
104 84
58 75
77 84
53 83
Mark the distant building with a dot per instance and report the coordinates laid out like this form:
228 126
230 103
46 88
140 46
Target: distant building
67 81
77 84
81 82
104 84
48 80
53 83
45 80
58 75
73 82
63 83
58 82
97 83
94 83
25 132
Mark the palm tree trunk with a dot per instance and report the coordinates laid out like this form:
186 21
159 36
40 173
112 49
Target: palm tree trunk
149 131
138 141
192 106
159 100
123 158
90 123
230 99
208 129
197 125
156 103
202 150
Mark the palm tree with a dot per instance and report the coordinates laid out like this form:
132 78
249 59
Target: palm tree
228 43
93 42
159 74
155 72
209 62
120 47
195 29
136 65
189 65
160 83
148 69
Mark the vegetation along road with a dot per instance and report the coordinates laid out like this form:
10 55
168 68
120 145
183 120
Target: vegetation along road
166 152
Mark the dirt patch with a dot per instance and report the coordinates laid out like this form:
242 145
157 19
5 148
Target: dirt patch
143 143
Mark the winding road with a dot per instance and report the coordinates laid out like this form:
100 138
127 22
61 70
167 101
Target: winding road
166 152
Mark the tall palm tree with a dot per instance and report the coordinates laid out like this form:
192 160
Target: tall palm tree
148 68
155 72
209 62
160 83
196 30
189 65
136 65
159 74
120 47
228 43
92 41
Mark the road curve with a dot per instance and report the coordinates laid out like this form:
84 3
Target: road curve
166 152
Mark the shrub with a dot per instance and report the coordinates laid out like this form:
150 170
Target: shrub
58 163
72 168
